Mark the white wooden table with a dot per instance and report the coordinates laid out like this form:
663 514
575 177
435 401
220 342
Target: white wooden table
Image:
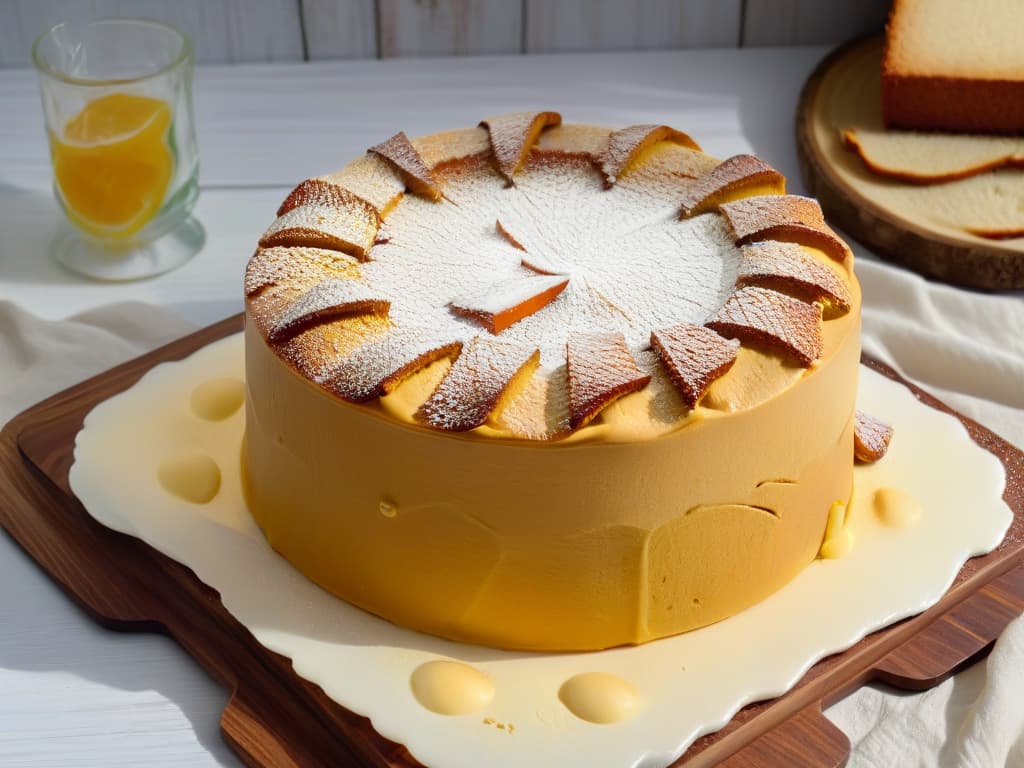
72 694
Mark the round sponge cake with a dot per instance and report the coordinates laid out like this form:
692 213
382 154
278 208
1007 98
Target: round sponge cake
549 387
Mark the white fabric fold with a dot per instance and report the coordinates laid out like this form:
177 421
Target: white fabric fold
40 357
964 347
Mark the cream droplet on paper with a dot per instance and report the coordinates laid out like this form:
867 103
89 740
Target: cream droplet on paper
599 697
218 399
194 478
896 508
451 687
388 508
838 539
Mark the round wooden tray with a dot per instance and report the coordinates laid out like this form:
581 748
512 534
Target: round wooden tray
846 85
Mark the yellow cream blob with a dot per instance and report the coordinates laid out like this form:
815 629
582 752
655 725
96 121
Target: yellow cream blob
451 687
193 477
896 508
218 399
838 538
599 697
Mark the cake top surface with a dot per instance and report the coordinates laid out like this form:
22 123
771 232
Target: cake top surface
537 274
952 38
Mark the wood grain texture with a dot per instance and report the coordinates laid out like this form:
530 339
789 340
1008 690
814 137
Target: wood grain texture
612 25
275 718
808 738
449 27
223 31
950 643
340 29
811 22
964 261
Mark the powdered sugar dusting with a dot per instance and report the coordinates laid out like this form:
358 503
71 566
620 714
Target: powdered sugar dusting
513 134
871 437
624 145
769 318
377 367
323 194
400 152
789 268
632 265
601 370
790 218
315 351
737 172
540 409
508 301
695 356
475 383
371 179
752 214
299 267
328 299
507 234
350 229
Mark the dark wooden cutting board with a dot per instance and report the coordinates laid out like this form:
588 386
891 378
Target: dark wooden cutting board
275 718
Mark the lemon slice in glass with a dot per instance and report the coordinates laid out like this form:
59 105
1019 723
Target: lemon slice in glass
113 164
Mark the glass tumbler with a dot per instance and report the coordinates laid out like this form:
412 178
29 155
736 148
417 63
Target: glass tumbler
117 102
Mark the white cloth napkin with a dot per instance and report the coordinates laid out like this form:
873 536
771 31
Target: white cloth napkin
967 348
41 357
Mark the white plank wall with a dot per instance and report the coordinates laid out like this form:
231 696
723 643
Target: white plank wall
340 29
292 30
613 25
446 27
222 30
811 22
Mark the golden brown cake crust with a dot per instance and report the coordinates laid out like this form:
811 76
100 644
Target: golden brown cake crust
921 102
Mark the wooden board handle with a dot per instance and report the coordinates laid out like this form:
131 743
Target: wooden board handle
808 739
956 639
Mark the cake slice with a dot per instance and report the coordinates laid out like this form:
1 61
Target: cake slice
600 370
787 218
915 157
694 356
319 214
485 374
734 178
626 145
406 160
769 319
952 65
513 135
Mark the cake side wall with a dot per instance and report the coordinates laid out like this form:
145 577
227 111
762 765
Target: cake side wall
548 546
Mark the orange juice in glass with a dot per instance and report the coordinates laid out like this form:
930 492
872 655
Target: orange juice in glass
117 101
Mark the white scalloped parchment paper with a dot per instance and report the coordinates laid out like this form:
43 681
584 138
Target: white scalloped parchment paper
689 684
